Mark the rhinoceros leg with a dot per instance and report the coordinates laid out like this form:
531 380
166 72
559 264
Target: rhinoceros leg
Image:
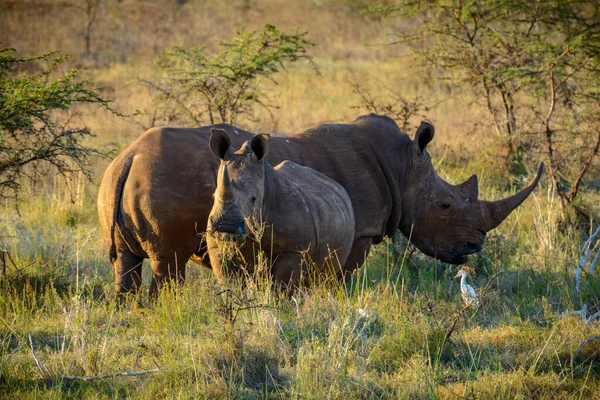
287 271
357 256
166 270
128 272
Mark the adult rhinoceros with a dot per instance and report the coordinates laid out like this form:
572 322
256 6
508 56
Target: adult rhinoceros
156 195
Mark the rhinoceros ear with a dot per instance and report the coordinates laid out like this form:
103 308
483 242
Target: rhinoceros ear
260 145
470 187
219 143
424 135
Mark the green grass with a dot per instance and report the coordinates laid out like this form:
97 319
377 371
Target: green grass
381 335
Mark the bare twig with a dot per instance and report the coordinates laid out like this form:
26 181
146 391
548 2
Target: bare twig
234 304
586 165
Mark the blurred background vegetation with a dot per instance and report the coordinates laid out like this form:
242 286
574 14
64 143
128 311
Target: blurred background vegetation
507 84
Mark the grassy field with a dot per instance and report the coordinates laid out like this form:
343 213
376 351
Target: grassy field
398 329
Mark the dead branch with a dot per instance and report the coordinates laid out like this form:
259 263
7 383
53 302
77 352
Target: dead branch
586 165
586 341
586 251
4 256
455 323
592 318
43 369
114 375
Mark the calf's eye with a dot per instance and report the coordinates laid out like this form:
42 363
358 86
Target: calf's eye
253 200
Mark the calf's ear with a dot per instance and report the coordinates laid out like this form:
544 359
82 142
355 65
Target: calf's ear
424 135
219 143
260 146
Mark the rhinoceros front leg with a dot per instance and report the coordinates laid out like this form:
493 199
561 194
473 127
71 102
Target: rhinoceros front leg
287 271
128 272
356 258
166 270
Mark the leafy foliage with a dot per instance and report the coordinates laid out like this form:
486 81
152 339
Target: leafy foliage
35 111
535 67
195 85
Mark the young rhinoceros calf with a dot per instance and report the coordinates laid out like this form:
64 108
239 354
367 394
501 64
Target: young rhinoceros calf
302 213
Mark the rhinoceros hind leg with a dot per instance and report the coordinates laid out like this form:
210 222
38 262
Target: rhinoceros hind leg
170 270
128 272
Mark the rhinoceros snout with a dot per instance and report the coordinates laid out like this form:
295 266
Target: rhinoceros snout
237 227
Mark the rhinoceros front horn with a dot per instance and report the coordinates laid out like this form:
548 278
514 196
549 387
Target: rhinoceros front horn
224 192
496 211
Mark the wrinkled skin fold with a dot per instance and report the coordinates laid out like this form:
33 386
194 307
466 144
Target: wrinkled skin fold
156 196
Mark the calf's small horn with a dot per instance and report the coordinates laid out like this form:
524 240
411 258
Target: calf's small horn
496 211
224 192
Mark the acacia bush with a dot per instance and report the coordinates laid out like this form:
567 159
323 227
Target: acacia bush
35 120
394 104
196 87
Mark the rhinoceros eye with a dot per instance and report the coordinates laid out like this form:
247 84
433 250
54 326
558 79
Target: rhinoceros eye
445 206
253 200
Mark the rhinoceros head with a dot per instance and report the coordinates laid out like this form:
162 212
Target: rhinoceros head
445 221
240 183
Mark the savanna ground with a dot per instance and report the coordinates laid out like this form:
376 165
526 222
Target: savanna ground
396 330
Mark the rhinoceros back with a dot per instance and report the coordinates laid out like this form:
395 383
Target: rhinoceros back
157 193
325 205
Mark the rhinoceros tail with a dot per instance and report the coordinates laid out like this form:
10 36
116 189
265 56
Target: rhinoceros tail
117 206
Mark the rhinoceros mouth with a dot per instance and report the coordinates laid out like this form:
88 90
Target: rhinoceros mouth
238 238
454 259
467 248
459 253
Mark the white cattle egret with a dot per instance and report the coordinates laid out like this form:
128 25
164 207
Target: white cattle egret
468 293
